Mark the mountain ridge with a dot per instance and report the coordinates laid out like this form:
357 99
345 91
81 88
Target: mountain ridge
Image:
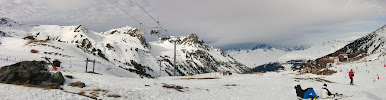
122 50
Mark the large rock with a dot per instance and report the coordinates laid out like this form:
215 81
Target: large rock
57 78
32 72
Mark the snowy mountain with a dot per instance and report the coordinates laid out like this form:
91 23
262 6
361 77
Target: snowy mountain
191 51
253 58
315 51
119 52
372 43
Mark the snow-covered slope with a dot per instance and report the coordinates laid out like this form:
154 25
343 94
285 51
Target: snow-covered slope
265 86
193 56
315 51
372 43
119 52
253 58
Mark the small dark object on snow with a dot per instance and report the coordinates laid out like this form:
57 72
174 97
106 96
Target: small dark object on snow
58 78
147 85
69 76
31 72
34 51
114 95
78 84
56 63
231 85
178 88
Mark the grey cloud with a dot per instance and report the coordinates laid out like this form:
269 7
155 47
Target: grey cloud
219 22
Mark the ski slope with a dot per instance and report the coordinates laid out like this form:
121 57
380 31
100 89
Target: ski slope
267 86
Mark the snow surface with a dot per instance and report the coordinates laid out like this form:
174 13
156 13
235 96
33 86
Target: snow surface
267 86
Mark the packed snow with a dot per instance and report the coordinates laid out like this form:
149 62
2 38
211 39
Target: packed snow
267 86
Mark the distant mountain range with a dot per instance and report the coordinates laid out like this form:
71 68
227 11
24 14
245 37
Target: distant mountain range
264 54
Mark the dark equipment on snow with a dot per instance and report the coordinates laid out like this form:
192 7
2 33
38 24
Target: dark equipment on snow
48 60
56 63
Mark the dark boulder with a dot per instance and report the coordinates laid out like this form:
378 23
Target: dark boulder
58 78
30 72
78 84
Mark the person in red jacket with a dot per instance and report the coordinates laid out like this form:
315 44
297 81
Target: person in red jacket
351 75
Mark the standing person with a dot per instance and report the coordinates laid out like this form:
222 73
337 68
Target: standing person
351 75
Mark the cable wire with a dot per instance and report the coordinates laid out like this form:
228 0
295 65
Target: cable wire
140 6
127 14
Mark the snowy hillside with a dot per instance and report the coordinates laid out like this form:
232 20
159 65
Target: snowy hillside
193 56
253 58
315 51
372 43
119 52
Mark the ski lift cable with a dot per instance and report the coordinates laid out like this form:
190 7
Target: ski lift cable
149 15
127 14
144 10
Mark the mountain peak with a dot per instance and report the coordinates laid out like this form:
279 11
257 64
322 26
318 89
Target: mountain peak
262 46
9 22
192 39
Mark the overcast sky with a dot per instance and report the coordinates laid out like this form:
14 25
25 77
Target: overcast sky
221 23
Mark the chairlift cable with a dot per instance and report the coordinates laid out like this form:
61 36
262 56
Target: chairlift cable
144 10
127 13
159 26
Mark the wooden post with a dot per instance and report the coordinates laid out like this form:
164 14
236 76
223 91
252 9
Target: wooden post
93 66
86 64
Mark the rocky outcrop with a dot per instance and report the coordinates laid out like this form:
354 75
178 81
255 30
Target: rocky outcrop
192 39
78 84
3 34
57 78
30 72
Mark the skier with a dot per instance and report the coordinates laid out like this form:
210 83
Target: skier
351 75
325 93
306 94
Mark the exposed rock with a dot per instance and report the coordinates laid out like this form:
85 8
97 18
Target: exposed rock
69 76
57 78
3 34
192 39
29 38
78 84
34 51
32 72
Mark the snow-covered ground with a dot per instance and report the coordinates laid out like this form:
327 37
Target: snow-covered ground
267 86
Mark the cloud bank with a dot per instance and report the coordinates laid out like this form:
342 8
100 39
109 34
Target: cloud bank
218 22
